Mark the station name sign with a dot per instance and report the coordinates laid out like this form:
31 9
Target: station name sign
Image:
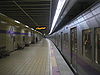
40 28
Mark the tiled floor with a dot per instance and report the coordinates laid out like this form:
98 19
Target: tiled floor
34 60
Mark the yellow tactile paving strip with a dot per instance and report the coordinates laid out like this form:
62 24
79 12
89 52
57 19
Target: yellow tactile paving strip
62 65
55 69
33 60
53 59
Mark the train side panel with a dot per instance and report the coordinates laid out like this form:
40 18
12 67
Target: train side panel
79 42
15 35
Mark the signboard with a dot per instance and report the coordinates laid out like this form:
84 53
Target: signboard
41 28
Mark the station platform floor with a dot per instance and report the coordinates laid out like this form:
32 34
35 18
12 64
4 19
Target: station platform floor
42 58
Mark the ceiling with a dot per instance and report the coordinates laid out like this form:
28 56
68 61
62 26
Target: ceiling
40 13
34 13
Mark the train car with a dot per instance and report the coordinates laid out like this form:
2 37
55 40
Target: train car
15 35
79 42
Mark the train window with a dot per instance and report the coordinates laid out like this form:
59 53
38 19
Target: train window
58 42
23 38
97 45
62 40
87 45
66 40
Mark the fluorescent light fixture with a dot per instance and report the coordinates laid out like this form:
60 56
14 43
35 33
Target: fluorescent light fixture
26 26
58 10
32 28
17 21
3 22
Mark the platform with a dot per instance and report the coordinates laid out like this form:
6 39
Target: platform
37 59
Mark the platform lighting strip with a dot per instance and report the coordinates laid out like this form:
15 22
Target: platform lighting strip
17 21
26 26
32 28
58 10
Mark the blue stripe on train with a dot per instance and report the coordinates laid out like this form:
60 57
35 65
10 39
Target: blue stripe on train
11 32
20 33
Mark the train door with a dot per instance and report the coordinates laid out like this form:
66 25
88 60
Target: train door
97 45
74 47
63 43
11 39
87 44
24 40
66 41
33 38
14 43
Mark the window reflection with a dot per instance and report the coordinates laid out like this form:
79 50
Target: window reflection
97 46
87 45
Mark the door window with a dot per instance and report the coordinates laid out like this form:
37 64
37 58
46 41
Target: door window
66 40
97 45
74 47
87 44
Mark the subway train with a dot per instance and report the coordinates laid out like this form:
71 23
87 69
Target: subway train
15 35
79 41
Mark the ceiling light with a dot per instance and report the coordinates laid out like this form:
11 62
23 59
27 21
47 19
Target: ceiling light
26 26
17 21
58 10
32 28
